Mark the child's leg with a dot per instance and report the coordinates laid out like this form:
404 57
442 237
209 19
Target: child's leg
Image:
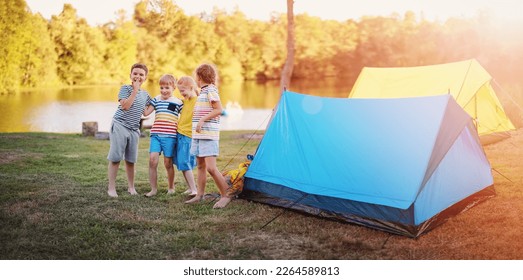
168 162
189 178
201 176
117 151
112 171
129 169
210 162
201 180
153 173
185 161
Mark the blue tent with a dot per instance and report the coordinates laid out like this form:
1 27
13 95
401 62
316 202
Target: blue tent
401 165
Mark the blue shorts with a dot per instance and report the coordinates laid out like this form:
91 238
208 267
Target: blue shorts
205 148
184 160
163 144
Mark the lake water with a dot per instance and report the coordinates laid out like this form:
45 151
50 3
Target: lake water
248 105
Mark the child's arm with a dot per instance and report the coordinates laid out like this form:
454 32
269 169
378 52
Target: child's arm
216 111
126 103
148 110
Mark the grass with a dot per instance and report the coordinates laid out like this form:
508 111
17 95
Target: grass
53 205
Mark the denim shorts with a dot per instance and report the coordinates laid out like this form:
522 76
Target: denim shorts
163 144
184 160
205 148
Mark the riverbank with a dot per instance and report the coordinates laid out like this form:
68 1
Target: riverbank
53 205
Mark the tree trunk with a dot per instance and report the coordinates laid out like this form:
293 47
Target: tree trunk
286 73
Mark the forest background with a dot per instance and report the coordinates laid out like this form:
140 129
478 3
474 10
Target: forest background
67 51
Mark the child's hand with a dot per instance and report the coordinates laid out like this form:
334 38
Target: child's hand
199 126
137 83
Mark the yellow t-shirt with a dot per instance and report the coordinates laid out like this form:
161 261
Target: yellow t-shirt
185 120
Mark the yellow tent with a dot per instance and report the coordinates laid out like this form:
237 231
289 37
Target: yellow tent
467 81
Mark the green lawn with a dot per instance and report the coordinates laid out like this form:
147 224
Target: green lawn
53 205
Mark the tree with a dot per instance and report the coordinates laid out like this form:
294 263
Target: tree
28 57
80 48
286 74
238 31
121 48
38 65
168 40
13 19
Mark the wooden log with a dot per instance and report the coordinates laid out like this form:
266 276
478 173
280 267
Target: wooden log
89 128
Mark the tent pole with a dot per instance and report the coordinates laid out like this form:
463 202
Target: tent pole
476 119
464 79
276 107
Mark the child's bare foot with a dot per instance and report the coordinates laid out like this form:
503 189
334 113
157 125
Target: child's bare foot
194 200
132 191
170 191
112 193
151 193
222 202
190 193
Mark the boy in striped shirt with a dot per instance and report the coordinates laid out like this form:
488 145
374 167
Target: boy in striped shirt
125 128
163 132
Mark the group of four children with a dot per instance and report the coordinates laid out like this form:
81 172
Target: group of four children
187 132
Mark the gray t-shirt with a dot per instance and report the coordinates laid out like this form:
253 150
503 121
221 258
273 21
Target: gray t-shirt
131 118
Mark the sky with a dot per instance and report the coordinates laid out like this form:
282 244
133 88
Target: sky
102 11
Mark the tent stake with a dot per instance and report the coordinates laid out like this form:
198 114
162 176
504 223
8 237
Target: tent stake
385 242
